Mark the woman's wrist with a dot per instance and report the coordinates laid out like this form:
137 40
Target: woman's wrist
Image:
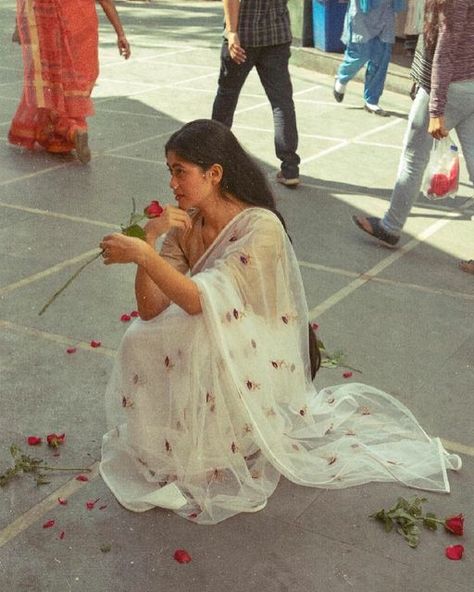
144 253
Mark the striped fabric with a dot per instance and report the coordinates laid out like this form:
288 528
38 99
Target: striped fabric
453 59
263 23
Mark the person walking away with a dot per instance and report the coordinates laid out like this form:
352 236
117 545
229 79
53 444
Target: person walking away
258 34
59 41
369 35
443 69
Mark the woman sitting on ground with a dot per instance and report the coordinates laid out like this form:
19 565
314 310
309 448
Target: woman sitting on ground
211 398
59 41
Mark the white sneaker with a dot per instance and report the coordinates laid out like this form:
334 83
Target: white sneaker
287 181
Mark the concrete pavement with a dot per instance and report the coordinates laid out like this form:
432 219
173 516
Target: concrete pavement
403 317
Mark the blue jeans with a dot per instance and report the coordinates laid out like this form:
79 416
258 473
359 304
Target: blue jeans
376 54
271 63
418 143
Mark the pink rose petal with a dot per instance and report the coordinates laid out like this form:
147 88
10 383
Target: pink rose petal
62 501
125 318
182 556
33 440
314 326
454 552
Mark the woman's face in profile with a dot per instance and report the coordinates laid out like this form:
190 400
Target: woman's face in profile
189 182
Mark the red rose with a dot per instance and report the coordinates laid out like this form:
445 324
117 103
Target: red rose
33 440
455 524
55 440
454 552
182 556
347 374
153 210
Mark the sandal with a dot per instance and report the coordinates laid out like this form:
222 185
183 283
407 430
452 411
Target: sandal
377 230
467 266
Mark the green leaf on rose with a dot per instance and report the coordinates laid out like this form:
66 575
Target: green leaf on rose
134 230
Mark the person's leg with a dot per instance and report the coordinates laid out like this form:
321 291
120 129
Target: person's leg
376 71
231 79
355 57
460 115
415 155
272 68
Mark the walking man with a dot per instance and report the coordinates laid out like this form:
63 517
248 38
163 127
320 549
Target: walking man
258 33
369 35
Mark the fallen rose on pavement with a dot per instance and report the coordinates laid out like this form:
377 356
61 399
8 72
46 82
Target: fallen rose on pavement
182 556
455 524
55 440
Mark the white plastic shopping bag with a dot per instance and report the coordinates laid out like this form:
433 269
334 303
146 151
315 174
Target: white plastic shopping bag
442 173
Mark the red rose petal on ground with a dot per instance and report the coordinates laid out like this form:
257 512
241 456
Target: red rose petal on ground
33 440
95 343
71 350
182 556
347 374
49 524
62 501
314 326
125 318
134 314
454 552
82 478
61 535
90 504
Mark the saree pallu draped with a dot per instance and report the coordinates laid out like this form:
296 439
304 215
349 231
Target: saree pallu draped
207 411
59 41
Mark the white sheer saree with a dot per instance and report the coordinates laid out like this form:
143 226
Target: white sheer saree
207 411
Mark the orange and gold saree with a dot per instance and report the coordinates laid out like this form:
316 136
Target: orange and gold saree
59 40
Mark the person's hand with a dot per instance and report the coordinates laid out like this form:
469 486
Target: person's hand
118 248
437 128
124 47
171 217
16 36
236 51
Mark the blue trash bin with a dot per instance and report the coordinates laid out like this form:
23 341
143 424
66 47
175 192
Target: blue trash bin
328 22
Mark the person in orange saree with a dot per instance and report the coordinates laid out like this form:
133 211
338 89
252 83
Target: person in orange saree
59 41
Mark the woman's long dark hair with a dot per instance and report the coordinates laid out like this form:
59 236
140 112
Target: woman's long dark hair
436 13
205 142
